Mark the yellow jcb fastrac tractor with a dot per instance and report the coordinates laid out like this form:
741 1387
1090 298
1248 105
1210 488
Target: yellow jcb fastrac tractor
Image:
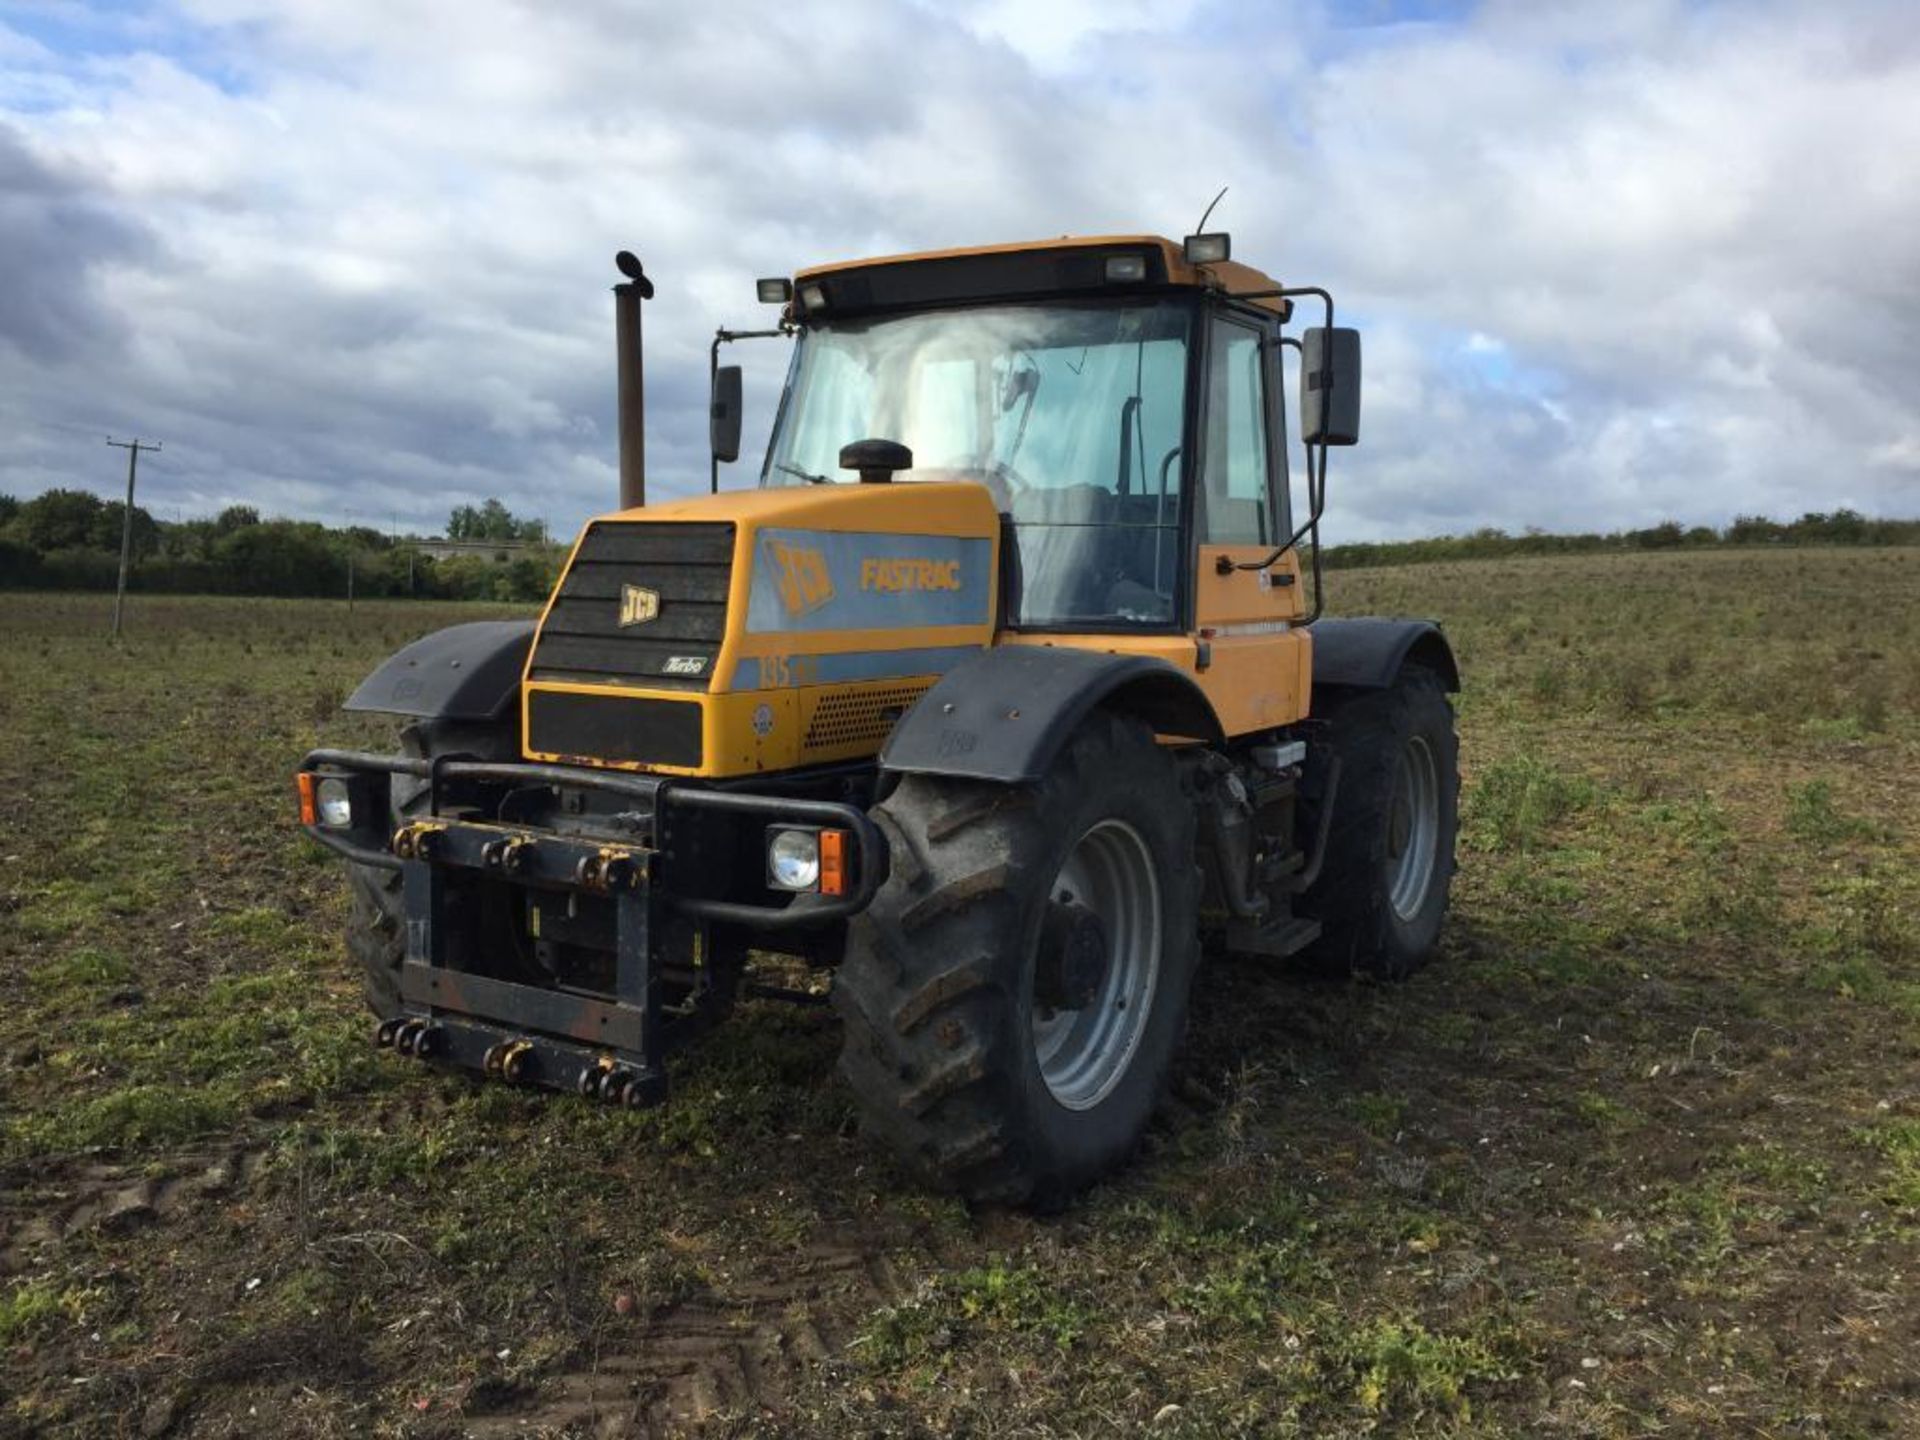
997 701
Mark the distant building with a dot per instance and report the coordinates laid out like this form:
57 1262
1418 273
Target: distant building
438 547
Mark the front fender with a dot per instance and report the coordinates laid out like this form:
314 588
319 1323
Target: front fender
1004 714
465 672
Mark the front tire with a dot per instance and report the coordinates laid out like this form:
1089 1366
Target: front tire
376 914
984 1043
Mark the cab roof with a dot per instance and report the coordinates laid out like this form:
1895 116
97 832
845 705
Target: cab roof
1029 267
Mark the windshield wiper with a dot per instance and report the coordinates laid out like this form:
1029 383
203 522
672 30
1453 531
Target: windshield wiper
806 475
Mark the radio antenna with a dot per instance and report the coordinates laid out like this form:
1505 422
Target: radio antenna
1201 227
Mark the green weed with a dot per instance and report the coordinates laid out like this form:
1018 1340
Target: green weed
87 968
1602 1112
1514 803
1813 816
1898 1144
1379 1115
1401 1367
993 1300
36 1306
136 1115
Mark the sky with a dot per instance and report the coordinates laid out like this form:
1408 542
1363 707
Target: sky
350 260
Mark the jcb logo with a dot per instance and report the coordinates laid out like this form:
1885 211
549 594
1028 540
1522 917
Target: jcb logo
801 575
891 575
638 605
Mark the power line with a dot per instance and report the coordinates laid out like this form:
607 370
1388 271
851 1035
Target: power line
65 425
133 448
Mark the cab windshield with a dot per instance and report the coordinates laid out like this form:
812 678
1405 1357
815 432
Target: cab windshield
1070 414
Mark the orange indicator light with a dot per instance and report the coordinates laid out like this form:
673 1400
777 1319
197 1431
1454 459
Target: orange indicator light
833 862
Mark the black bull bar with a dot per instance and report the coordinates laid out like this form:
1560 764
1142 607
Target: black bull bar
607 1046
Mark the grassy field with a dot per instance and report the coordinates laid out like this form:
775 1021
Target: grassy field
1640 1155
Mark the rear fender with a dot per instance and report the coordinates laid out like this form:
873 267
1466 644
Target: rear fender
1368 653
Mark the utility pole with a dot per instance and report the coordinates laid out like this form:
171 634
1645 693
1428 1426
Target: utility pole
133 448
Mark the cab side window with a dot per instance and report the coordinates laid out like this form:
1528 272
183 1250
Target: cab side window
1236 500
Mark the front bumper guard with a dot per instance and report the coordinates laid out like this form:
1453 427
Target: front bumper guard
657 799
607 1047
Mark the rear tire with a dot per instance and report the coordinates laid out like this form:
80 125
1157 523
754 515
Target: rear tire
1383 889
376 914
977 1082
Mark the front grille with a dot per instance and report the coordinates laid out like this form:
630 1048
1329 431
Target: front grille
687 567
617 729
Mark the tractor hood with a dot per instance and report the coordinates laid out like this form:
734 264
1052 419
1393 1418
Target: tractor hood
761 629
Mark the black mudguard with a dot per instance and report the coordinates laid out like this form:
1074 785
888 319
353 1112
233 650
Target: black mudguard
1367 653
465 672
1003 714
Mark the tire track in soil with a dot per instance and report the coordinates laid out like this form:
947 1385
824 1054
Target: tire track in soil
46 1208
738 1353
742 1353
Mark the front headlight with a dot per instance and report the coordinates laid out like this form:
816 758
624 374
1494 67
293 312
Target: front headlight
793 859
333 803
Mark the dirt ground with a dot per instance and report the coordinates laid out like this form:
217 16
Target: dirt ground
1640 1155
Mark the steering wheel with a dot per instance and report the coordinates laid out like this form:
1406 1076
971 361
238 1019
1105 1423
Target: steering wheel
1002 476
1008 477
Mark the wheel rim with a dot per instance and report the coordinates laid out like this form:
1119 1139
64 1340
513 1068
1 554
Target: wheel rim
1084 1053
1413 828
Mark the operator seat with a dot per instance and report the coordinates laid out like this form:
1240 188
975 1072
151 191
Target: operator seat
1068 558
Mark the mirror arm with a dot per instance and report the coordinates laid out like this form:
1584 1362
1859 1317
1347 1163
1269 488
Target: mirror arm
724 336
1316 494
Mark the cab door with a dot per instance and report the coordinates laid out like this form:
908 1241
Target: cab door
1254 665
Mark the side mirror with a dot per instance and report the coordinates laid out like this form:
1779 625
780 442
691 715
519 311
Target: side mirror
723 422
1330 386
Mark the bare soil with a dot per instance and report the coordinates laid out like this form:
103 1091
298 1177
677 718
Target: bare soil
1639 1155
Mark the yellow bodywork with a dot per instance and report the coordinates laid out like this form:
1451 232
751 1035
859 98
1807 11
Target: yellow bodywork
770 707
809 609
767 707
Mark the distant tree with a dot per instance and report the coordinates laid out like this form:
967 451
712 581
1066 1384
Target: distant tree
527 579
1753 530
492 521
489 521
1842 527
19 565
106 529
59 520
281 557
9 507
235 517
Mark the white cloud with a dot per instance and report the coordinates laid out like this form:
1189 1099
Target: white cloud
1051 36
1900 454
1616 263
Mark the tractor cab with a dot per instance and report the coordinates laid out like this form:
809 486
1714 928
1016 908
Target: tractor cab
1118 398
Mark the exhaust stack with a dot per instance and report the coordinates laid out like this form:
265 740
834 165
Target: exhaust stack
632 401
